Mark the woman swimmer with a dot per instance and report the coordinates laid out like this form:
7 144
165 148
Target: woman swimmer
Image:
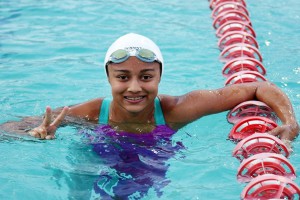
134 65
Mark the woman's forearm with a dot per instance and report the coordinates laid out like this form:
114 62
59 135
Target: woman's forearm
280 104
21 127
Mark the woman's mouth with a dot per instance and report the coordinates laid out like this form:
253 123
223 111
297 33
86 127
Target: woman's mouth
134 99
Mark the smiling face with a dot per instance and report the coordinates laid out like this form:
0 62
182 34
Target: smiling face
134 86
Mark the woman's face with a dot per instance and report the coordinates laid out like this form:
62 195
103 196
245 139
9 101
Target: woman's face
134 84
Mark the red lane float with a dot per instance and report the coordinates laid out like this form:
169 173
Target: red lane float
243 64
244 77
249 109
259 143
239 50
270 186
235 26
251 125
232 15
214 3
228 6
265 163
236 37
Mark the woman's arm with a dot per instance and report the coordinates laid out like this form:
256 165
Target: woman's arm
189 107
45 127
89 110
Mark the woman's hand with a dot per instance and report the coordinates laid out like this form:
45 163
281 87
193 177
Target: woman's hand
286 133
48 128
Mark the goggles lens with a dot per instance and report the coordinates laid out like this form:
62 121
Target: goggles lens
144 55
119 56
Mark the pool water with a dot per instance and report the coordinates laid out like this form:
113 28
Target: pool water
52 54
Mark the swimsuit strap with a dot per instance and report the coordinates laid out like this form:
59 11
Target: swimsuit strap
158 113
104 112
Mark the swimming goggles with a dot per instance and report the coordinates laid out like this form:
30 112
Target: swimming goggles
122 55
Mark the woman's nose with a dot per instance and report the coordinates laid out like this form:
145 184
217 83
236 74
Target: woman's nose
134 86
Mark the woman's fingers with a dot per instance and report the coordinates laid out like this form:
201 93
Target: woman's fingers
50 137
53 126
42 134
48 117
60 117
276 131
33 133
39 132
283 132
47 129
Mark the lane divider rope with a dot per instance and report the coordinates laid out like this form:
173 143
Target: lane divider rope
264 163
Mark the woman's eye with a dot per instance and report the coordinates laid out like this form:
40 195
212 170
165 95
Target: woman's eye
122 77
146 77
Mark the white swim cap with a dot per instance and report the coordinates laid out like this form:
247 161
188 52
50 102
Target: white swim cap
134 41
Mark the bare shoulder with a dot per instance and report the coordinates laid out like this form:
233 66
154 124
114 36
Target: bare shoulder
168 103
88 110
173 109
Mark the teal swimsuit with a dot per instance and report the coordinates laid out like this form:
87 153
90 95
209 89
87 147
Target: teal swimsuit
158 114
142 158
